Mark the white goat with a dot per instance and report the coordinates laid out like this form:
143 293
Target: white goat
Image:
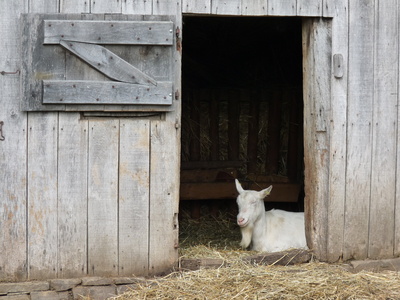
271 231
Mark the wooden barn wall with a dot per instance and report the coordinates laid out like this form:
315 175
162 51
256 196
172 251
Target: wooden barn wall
84 195
65 181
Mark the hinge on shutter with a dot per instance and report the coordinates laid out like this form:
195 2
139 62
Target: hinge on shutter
178 39
177 95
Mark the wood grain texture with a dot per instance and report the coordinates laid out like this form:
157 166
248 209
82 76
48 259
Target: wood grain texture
255 7
42 175
338 131
316 73
226 7
108 6
282 7
38 62
13 149
359 132
77 6
309 7
384 130
196 6
164 193
108 32
105 92
134 197
108 63
138 7
72 195
42 195
103 197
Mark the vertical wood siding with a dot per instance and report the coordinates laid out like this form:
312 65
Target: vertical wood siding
13 149
77 193
359 131
317 85
384 129
337 129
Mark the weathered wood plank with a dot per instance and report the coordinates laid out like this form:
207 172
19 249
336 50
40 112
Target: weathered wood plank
42 195
254 7
165 158
75 69
359 132
226 7
108 63
167 7
105 92
384 130
72 195
316 73
142 7
196 6
39 62
337 127
164 197
103 197
309 8
74 6
109 6
282 7
134 197
109 32
42 168
12 149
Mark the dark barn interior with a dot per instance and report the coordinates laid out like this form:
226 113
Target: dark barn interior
241 111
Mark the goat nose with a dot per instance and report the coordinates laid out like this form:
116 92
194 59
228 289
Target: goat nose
240 221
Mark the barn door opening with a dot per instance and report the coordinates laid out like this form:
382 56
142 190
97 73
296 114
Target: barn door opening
242 106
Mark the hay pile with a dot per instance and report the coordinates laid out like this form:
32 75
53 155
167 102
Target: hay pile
243 281
212 237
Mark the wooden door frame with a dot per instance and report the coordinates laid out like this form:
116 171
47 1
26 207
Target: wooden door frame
317 53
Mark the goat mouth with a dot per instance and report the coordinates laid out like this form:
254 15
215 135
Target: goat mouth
243 224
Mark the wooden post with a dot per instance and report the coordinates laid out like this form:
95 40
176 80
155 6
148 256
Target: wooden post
273 132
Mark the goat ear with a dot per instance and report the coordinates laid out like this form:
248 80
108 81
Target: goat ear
238 186
264 193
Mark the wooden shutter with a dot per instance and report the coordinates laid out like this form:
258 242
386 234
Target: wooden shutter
97 62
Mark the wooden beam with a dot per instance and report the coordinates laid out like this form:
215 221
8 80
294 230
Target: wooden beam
108 63
226 190
105 92
185 165
109 32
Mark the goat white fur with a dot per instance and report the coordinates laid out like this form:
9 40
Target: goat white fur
270 231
